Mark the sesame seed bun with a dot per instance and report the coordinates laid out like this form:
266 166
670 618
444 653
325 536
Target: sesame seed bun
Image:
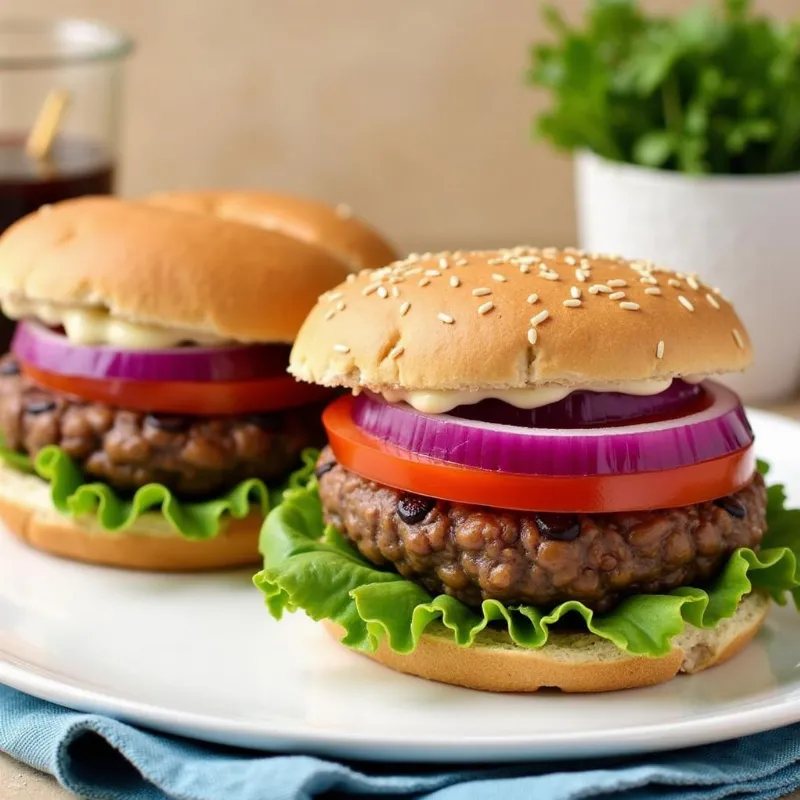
165 267
572 662
27 512
334 229
517 318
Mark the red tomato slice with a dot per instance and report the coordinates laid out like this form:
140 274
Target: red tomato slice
208 398
375 460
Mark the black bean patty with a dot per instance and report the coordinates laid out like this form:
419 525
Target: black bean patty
474 553
193 456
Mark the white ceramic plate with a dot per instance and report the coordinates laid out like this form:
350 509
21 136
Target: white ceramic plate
199 656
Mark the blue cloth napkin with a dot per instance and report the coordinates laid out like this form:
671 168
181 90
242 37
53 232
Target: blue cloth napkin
103 759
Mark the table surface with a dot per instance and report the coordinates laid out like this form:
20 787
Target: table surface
20 782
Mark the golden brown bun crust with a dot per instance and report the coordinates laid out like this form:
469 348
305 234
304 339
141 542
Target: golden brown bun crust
165 267
331 228
26 511
570 662
410 305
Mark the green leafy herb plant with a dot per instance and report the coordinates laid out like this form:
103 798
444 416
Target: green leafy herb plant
715 90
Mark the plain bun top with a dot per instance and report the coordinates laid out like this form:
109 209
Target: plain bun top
159 266
516 318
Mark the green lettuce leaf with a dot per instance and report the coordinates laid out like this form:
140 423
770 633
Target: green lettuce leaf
312 568
197 520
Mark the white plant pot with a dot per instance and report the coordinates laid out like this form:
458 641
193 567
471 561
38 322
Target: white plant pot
741 233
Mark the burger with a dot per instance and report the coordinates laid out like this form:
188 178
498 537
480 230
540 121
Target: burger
146 415
536 480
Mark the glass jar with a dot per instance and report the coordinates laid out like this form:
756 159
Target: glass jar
60 114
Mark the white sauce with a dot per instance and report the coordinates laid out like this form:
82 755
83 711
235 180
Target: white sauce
95 326
532 397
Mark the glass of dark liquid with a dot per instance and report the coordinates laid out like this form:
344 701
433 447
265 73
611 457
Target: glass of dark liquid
60 103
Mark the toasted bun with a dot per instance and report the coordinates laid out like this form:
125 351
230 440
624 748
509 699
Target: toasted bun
419 324
167 268
27 511
331 228
570 662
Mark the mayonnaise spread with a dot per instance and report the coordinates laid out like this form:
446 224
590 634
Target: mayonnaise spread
529 397
95 326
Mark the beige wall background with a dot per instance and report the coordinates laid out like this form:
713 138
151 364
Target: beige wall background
414 112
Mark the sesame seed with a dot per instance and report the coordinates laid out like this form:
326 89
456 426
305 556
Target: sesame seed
413 271
599 288
443 263
550 252
630 306
573 303
424 282
396 352
648 279
482 292
524 268
462 262
674 282
496 276
341 348
486 307
580 275
341 306
685 303
335 296
549 276
712 301
738 339
369 289
330 315
660 350
343 211
396 279
693 283
540 317
533 298
495 261
680 276
616 296
455 281
616 283
383 292
532 335
433 273
351 277
654 290
404 308
395 291
570 260
446 318
575 292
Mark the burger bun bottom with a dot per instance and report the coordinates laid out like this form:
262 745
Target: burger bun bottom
572 662
27 511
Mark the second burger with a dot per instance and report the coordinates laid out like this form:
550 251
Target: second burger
146 412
